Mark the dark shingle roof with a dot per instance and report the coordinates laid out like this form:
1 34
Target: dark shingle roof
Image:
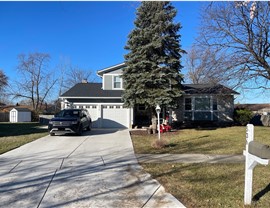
88 90
94 90
207 89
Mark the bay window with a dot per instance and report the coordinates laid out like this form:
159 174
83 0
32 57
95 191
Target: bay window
202 103
201 108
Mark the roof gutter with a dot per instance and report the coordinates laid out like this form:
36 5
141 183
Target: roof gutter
90 97
103 71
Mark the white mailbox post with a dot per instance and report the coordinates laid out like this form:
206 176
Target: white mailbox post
158 110
250 163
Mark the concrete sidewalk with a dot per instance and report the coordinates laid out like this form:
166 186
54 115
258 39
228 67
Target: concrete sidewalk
98 169
189 158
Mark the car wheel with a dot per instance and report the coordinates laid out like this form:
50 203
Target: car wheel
89 127
52 134
80 131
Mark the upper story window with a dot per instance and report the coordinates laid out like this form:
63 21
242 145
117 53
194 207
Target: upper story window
117 82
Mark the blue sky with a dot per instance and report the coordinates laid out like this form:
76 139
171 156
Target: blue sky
91 35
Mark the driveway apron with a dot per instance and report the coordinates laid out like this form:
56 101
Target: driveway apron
98 169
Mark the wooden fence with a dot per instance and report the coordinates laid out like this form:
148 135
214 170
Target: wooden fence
4 116
44 119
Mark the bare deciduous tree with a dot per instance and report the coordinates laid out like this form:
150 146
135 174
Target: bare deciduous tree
3 85
75 75
3 80
241 32
69 75
35 82
206 66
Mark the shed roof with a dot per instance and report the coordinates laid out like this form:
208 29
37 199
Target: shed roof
22 109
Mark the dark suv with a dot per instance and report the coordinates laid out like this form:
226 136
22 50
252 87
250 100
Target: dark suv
70 121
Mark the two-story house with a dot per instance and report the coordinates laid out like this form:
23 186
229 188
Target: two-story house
105 105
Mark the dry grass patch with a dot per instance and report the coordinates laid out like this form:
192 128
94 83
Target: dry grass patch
159 143
210 185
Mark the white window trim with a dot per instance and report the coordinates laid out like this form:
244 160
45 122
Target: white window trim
193 106
121 82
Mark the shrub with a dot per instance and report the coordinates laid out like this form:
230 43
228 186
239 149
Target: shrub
242 116
159 144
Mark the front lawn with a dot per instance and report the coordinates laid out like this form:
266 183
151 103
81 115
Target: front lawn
229 140
211 185
13 135
207 185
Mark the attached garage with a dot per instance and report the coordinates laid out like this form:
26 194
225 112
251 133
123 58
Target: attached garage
108 115
105 106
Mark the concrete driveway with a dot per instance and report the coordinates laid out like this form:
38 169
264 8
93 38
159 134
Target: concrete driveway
98 169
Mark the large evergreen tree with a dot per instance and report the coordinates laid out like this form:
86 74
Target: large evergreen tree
152 75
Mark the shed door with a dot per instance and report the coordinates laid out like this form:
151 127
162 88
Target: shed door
13 116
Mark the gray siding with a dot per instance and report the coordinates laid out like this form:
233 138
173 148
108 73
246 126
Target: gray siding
118 71
107 79
226 108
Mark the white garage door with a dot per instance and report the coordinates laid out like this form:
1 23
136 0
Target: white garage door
115 116
93 110
109 116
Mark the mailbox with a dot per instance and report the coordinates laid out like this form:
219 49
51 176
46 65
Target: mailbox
259 150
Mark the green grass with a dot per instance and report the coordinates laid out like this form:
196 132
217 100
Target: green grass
207 185
229 140
13 135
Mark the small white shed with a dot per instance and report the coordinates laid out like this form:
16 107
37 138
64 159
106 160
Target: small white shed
20 115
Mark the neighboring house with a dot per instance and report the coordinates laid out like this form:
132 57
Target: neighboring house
104 102
259 113
255 108
20 115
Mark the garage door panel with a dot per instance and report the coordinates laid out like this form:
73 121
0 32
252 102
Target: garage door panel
93 111
115 117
